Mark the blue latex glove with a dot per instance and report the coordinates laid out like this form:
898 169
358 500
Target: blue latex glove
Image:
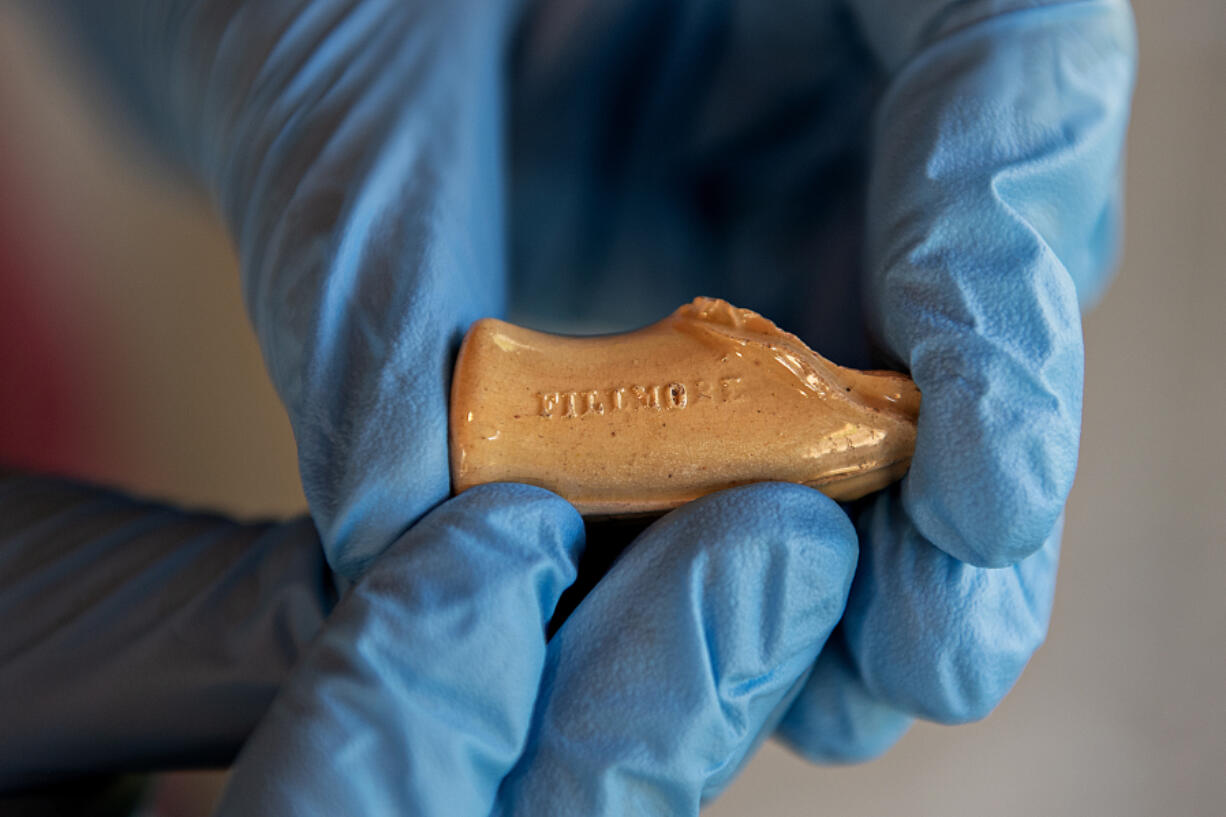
955 165
140 637
354 149
419 695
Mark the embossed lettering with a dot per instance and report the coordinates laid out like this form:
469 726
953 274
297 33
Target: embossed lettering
549 402
593 404
672 396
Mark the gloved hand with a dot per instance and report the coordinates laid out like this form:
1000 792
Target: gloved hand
418 696
355 151
955 165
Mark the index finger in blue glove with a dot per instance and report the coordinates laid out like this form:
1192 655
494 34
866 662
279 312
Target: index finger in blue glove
679 662
417 696
925 635
993 197
939 638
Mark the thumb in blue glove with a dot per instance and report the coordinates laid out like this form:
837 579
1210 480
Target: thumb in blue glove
417 696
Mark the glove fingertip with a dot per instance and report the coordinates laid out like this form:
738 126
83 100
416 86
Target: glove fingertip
799 527
835 719
992 471
938 638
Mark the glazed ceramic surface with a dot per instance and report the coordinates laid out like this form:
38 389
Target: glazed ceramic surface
710 397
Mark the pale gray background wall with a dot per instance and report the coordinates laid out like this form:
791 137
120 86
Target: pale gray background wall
1122 712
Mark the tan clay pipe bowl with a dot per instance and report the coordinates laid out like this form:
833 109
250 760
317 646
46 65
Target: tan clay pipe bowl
708 398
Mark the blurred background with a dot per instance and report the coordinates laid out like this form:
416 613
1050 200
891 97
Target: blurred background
122 329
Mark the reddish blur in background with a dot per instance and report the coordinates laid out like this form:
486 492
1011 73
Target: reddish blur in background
125 357
125 354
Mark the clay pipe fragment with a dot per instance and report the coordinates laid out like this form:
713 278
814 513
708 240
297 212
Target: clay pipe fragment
710 397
